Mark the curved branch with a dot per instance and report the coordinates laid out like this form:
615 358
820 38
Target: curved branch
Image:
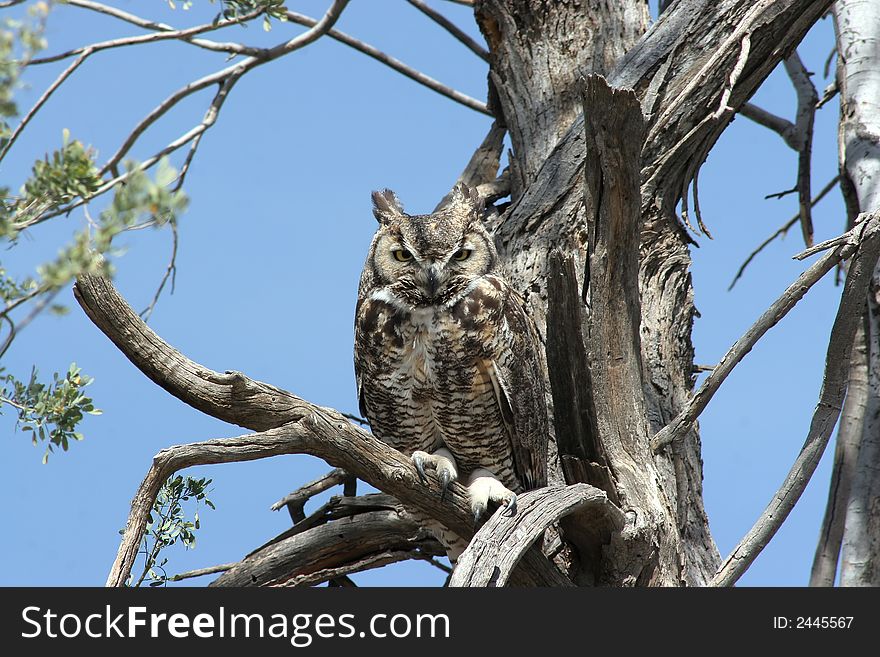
845 245
827 411
294 426
494 552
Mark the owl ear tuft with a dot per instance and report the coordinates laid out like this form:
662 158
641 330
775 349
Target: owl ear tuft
463 199
386 206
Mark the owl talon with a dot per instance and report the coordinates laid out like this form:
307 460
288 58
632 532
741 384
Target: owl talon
442 462
445 479
418 459
511 506
483 488
478 511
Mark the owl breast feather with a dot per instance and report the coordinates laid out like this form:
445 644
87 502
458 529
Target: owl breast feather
425 375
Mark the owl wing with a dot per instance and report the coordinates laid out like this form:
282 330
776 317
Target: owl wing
518 380
361 353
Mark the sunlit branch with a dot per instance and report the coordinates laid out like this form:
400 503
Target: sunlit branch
681 424
827 411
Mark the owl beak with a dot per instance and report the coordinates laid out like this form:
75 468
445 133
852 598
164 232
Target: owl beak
434 275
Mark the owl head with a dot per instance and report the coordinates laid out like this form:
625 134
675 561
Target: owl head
431 259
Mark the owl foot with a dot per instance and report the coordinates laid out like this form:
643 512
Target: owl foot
483 488
440 461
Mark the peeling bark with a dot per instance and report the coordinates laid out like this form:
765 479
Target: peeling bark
858 36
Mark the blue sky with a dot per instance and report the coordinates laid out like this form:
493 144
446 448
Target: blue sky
270 253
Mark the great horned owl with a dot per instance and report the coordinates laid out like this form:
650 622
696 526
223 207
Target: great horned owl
448 362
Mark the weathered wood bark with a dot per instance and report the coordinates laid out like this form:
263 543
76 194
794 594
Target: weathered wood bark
698 63
344 536
858 75
596 173
494 552
849 434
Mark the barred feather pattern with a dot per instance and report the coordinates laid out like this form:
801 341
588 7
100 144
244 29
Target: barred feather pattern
445 353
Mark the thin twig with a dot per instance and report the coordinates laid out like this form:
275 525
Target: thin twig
191 135
228 75
781 231
170 272
296 501
452 28
226 78
38 308
396 64
165 33
682 423
782 194
199 572
827 68
10 336
807 99
12 305
783 127
821 246
355 418
827 411
42 101
830 92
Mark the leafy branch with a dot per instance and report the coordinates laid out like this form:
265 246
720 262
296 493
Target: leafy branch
168 525
51 412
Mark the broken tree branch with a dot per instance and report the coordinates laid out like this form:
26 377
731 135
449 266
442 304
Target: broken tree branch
307 428
296 501
831 397
347 535
783 127
807 100
678 427
201 572
781 231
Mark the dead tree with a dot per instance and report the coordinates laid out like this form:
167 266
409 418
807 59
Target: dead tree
610 121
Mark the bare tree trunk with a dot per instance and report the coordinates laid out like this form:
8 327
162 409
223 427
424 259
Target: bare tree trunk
858 35
597 170
701 60
849 434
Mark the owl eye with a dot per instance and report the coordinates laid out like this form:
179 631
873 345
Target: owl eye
462 254
402 255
